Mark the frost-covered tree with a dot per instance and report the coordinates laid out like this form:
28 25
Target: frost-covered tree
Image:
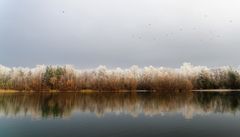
67 77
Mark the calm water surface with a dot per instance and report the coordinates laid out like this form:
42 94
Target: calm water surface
120 114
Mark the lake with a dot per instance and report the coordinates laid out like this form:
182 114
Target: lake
105 114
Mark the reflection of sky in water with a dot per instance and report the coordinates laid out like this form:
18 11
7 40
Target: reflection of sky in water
119 114
87 124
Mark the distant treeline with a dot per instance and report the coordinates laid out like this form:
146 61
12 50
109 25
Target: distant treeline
67 78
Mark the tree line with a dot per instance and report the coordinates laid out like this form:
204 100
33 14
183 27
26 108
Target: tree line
68 78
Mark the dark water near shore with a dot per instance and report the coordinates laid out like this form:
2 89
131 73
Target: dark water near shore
197 114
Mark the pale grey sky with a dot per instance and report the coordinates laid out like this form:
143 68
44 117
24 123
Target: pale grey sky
88 33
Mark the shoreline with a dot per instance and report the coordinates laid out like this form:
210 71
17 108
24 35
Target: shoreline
216 90
120 91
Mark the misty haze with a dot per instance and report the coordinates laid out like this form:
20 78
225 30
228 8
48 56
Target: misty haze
123 68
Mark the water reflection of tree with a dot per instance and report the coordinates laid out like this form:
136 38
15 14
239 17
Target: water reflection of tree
63 104
218 102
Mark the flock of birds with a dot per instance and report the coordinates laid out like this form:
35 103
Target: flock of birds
169 34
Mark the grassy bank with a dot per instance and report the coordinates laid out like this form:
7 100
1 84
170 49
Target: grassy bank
68 78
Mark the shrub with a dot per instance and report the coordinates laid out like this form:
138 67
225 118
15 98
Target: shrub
64 78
